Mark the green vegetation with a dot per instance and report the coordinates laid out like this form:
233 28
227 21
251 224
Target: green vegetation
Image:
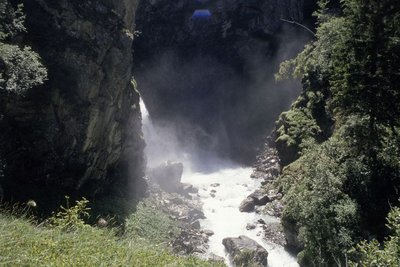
20 66
340 141
373 254
66 240
151 224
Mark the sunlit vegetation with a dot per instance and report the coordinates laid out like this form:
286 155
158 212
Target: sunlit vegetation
66 240
340 140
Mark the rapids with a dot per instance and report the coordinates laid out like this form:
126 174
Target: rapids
232 184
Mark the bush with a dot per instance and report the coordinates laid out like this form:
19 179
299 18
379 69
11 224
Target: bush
374 254
325 217
21 70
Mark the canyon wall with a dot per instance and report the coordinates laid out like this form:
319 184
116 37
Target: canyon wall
79 133
210 73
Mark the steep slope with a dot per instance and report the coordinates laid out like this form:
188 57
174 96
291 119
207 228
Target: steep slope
79 133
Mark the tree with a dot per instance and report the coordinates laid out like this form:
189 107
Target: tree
20 67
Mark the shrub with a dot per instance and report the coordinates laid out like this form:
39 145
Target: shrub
374 254
22 69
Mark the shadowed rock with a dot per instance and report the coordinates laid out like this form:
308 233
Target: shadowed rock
168 176
257 198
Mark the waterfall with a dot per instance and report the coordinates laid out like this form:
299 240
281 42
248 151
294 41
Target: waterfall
222 186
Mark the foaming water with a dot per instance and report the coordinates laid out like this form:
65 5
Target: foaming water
222 211
232 184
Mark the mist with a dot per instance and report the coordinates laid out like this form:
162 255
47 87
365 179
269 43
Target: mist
208 101
205 103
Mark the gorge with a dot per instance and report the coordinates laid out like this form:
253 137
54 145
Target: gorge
199 132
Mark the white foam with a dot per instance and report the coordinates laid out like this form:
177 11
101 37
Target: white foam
222 211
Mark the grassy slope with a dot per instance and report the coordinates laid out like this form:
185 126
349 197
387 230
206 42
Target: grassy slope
23 243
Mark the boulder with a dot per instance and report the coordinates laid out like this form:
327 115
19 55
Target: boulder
167 176
250 226
186 189
247 205
196 224
257 198
245 251
208 232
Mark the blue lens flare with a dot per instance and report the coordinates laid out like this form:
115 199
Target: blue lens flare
201 14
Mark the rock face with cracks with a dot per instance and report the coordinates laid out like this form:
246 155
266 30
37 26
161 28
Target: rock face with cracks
79 133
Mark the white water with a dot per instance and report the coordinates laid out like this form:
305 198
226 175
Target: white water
222 211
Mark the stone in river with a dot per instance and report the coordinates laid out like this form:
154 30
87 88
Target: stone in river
245 251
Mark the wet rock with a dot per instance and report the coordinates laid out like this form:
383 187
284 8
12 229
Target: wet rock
187 189
257 198
267 166
196 224
168 176
208 232
291 235
261 221
245 251
247 205
250 226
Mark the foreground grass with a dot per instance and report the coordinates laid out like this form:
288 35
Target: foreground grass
23 243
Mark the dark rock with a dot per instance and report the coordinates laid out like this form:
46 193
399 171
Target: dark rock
245 251
186 189
261 221
259 197
80 132
215 185
168 176
247 205
250 226
196 224
208 232
219 53
291 234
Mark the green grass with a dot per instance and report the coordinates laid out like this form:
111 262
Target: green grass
24 243
151 224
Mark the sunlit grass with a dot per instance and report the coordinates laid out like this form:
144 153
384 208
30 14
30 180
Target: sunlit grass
25 243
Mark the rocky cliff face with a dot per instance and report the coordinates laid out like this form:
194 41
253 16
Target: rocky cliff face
214 69
80 133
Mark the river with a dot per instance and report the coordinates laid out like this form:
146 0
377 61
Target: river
222 186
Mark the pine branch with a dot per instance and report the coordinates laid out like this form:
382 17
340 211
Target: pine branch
300 25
